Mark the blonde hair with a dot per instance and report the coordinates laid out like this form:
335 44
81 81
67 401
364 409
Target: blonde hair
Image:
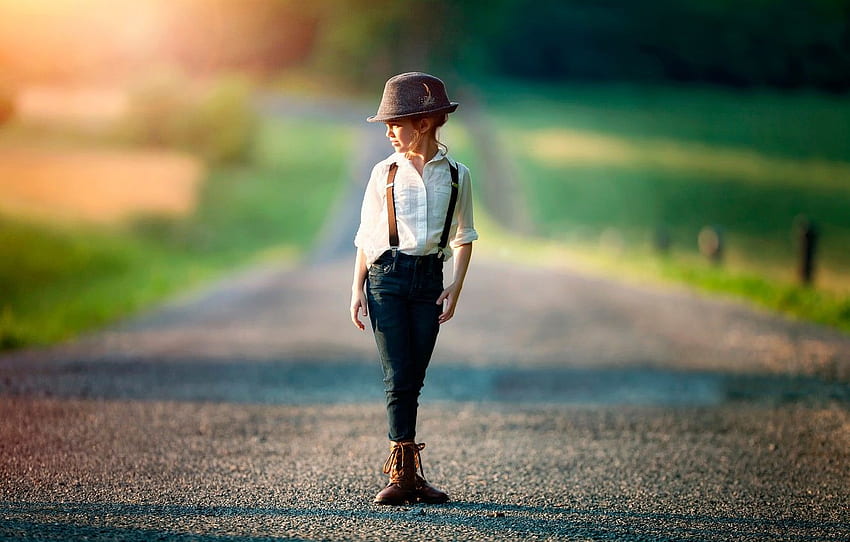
438 122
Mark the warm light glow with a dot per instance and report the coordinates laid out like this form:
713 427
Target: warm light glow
102 186
120 40
49 39
79 105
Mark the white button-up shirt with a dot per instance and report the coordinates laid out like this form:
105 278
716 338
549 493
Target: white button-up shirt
421 204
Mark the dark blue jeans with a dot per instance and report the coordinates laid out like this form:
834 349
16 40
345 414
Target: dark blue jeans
402 295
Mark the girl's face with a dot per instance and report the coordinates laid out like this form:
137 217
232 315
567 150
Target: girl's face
401 134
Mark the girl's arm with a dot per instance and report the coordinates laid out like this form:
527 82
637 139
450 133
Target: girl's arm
462 255
358 293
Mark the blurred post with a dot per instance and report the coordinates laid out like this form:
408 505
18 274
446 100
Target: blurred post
807 240
710 242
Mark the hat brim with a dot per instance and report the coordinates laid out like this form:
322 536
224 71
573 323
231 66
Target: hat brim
385 118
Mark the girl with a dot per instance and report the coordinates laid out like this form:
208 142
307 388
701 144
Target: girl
417 208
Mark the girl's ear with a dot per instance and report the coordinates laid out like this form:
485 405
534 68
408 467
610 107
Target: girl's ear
425 124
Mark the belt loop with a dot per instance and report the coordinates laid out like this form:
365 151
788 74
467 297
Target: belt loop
395 257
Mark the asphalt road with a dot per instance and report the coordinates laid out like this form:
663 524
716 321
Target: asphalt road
559 406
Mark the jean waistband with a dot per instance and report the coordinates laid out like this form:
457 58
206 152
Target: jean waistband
432 261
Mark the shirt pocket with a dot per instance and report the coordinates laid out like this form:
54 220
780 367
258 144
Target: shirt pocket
405 200
439 204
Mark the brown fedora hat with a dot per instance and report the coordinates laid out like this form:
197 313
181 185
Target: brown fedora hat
411 94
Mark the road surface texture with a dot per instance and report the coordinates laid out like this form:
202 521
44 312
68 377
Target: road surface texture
558 406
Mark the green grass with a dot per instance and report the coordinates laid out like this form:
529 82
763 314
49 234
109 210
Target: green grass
59 280
798 125
586 200
638 265
616 162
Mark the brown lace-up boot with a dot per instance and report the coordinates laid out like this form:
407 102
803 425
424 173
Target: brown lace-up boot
401 466
406 485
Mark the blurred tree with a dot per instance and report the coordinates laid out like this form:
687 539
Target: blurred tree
363 40
781 43
216 122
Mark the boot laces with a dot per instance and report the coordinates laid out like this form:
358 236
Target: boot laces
394 465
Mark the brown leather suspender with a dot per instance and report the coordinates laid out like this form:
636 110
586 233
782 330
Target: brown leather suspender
391 218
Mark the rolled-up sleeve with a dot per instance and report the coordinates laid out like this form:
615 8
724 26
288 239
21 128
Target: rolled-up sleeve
465 223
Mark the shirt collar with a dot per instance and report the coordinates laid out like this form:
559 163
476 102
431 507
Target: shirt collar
399 157
438 156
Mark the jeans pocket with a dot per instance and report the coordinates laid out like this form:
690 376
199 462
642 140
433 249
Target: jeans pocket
377 269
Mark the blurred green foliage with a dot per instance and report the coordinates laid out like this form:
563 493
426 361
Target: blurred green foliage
217 122
741 43
600 201
796 125
781 43
778 43
745 43
638 197
69 278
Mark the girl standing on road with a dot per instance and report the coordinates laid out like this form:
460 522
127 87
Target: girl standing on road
416 212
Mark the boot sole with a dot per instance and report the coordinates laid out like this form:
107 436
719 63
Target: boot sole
413 499
385 502
407 497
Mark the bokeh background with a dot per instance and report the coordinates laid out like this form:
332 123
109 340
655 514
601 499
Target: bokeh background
149 145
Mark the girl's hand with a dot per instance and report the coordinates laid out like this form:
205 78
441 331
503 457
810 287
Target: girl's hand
358 305
449 296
